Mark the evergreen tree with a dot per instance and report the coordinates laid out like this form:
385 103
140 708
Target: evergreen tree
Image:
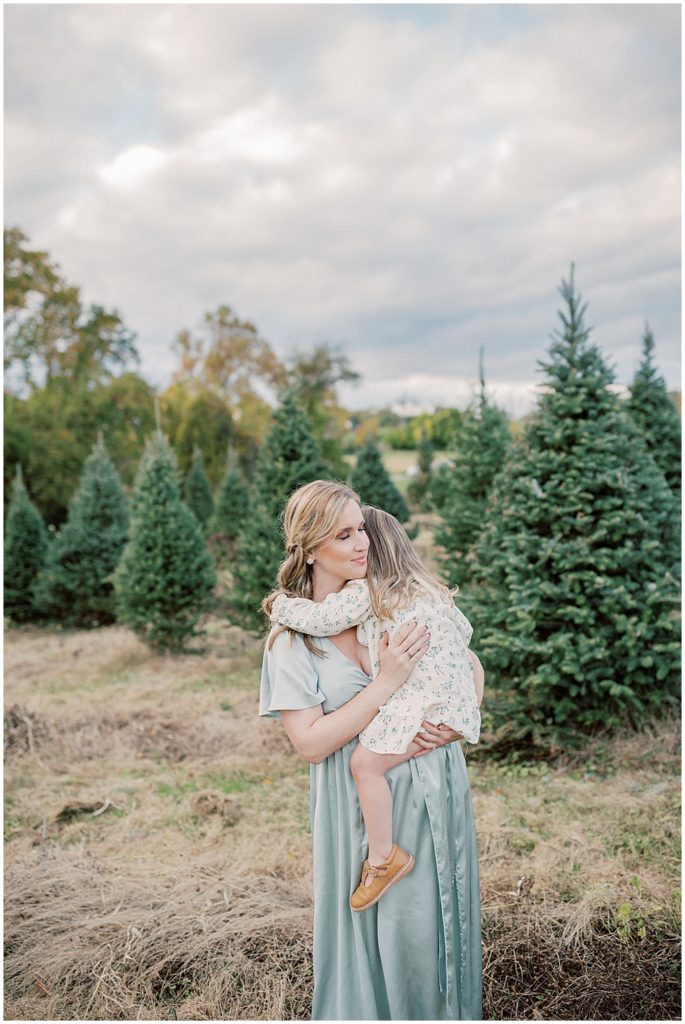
482 452
576 606
164 580
441 482
75 586
230 510
419 485
656 416
25 549
198 491
372 482
290 458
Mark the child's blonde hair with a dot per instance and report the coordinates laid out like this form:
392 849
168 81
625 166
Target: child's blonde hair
396 574
310 519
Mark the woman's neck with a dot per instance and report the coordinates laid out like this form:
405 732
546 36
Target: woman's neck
323 585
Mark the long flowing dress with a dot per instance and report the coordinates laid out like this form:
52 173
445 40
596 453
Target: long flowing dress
416 954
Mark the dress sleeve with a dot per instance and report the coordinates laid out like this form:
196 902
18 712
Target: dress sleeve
290 681
336 613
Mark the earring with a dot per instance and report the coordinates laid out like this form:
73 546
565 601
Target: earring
310 561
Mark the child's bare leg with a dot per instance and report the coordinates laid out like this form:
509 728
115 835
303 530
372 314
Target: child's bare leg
368 770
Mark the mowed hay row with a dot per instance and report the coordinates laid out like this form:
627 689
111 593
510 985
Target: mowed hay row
158 856
580 881
86 942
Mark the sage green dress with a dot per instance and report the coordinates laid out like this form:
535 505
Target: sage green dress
416 954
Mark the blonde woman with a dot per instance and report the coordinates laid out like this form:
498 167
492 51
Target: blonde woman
445 686
416 954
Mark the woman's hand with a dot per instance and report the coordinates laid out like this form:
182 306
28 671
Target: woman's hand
399 655
433 736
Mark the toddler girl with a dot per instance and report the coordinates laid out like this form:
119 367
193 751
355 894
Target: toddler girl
445 687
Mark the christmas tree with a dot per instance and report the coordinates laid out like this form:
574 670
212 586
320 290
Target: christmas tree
198 491
165 577
372 482
577 608
289 458
656 416
75 587
230 510
26 546
483 449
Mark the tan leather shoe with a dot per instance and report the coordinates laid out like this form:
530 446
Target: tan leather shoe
377 878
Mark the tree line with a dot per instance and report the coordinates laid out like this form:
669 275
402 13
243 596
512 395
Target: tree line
564 541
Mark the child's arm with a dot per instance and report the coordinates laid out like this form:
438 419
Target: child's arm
348 607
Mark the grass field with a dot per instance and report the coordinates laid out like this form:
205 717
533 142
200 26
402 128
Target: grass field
158 865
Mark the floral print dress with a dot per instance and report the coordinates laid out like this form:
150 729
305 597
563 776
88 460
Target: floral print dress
440 688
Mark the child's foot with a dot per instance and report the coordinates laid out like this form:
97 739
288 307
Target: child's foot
377 878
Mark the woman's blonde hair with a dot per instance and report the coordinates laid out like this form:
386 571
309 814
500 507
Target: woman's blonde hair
396 574
310 519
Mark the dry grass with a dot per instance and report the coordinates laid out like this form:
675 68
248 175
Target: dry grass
157 850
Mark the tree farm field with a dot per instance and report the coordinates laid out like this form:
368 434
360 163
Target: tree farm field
157 848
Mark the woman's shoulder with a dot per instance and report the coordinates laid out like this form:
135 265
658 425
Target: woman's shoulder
290 679
286 644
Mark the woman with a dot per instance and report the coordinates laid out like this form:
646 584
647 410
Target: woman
390 963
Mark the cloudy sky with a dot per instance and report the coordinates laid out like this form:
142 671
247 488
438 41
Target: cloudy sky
407 181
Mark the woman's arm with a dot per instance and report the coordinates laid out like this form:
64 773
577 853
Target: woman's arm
315 735
336 613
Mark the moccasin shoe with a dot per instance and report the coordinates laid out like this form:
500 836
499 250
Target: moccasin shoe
377 878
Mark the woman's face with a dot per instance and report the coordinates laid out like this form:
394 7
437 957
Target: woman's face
344 556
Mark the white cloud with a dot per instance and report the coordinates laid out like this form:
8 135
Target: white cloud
132 167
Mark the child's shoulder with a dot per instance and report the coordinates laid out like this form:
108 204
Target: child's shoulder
425 600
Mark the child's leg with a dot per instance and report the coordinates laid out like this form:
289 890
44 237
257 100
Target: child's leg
368 770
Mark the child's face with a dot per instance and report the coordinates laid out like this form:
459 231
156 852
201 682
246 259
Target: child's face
344 556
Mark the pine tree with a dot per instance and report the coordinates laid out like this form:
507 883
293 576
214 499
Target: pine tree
165 577
75 586
482 452
372 482
656 416
419 485
25 549
289 458
198 490
230 510
577 607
